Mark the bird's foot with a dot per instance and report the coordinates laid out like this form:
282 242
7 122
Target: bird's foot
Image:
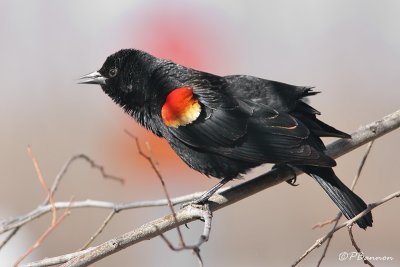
291 181
198 202
201 201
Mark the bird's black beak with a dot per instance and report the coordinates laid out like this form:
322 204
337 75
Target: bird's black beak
93 78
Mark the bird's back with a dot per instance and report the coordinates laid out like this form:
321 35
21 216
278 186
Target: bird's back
284 98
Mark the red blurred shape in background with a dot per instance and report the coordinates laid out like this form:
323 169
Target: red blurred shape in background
192 36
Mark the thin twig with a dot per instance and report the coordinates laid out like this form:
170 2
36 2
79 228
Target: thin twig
327 222
44 185
158 173
328 241
99 231
71 160
206 215
57 180
9 224
8 238
321 240
339 215
198 256
360 253
105 175
54 221
42 238
362 164
14 223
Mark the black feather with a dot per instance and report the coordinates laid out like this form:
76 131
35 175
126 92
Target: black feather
348 202
244 122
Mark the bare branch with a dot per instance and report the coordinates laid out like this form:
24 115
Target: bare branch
362 164
336 149
328 242
12 223
54 221
9 224
366 261
327 222
348 223
153 229
8 238
114 211
57 260
44 184
66 166
98 232
246 189
154 166
205 214
42 237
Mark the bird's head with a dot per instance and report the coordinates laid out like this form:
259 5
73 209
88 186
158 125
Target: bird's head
124 76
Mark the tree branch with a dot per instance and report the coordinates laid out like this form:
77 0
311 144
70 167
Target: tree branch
9 224
348 223
55 221
227 197
354 243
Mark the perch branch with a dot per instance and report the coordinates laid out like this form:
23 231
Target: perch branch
227 197
364 135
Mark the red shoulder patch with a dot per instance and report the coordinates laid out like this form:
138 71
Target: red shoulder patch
180 108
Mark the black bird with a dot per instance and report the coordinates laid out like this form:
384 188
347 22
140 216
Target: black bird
224 126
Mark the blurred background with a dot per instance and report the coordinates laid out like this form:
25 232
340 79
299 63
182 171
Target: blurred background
349 50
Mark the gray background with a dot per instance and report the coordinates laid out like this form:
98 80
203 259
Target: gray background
349 50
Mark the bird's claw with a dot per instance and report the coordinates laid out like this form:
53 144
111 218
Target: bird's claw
198 203
292 181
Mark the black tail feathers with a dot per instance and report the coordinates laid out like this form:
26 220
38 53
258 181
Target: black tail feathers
347 201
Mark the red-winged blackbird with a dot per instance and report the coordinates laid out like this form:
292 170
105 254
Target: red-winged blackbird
224 126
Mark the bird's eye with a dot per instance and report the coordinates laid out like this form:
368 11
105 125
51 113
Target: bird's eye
113 72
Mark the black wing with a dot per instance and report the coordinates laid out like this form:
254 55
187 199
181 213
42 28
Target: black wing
248 131
283 98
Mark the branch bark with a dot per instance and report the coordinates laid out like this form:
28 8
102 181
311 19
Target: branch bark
231 195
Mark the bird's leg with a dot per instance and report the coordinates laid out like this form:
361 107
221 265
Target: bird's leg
204 197
211 191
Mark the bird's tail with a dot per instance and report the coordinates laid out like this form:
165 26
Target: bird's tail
347 201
